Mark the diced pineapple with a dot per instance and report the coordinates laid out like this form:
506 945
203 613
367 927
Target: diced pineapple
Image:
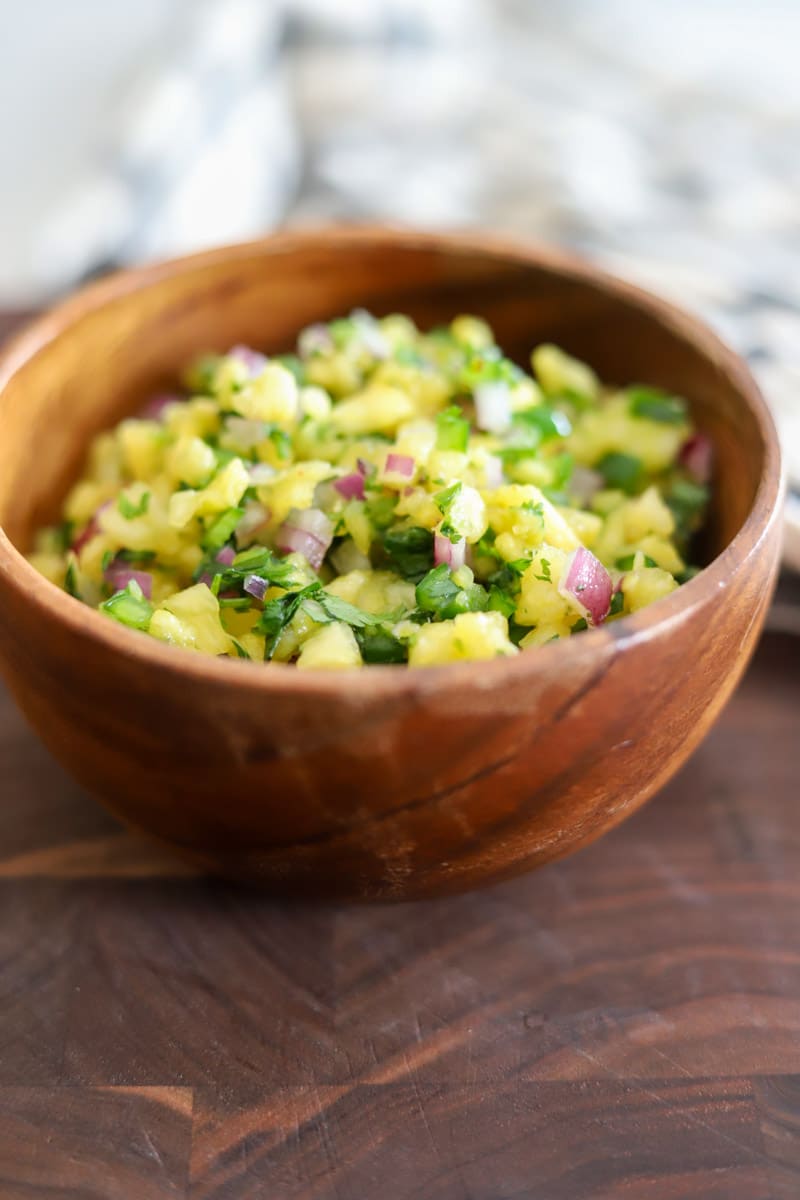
85 498
332 646
293 488
225 491
272 396
375 410
191 618
540 602
472 332
467 514
612 428
358 525
643 586
562 375
191 460
374 591
479 635
141 446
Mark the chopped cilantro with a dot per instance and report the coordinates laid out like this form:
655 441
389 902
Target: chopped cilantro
380 508
626 562
221 529
579 625
617 604
500 601
379 646
653 404
439 594
282 443
410 550
687 501
622 471
71 579
452 430
545 575
130 510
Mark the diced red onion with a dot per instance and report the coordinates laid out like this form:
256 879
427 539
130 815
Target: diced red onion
260 473
307 532
250 359
452 553
153 410
400 467
246 432
254 585
316 339
583 484
255 517
347 557
119 575
226 556
493 472
92 529
697 456
587 585
493 407
351 486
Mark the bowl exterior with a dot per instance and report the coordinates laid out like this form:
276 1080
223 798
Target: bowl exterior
380 791
385 783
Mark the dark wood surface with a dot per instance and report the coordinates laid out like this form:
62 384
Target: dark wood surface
623 1024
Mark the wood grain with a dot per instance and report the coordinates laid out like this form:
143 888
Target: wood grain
623 1024
400 783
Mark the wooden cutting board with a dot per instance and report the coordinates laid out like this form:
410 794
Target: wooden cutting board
624 1024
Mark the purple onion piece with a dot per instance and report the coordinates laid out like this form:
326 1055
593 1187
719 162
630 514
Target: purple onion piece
251 360
351 486
587 585
255 586
118 575
453 554
153 410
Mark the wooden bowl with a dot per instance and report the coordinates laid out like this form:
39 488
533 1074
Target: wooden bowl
387 783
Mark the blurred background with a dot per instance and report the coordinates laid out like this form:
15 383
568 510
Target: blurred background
662 140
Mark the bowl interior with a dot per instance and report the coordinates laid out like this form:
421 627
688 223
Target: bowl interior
91 363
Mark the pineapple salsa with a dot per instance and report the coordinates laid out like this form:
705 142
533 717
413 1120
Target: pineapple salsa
383 495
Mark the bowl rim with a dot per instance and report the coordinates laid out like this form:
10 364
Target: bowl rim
379 681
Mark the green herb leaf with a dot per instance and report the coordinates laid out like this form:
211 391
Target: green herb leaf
444 499
282 443
439 594
545 575
653 404
380 508
130 510
341 610
130 607
379 646
623 471
500 601
221 529
71 579
452 430
617 604
579 626
687 500
410 551
626 562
